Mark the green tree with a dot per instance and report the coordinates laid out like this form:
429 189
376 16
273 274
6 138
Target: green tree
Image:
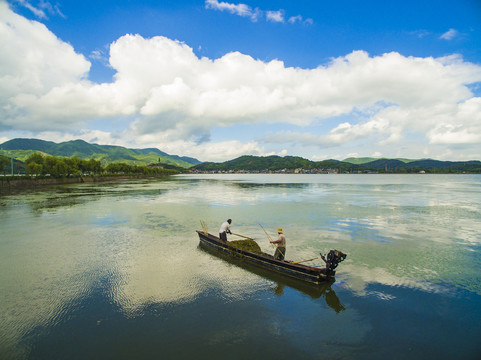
94 166
33 168
36 158
61 168
73 165
34 164
50 166
4 161
83 165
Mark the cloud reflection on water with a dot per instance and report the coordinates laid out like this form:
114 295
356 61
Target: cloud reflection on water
137 242
360 277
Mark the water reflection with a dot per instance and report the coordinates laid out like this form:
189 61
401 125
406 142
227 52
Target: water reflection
247 185
49 198
314 291
84 265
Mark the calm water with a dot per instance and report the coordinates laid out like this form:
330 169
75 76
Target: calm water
114 271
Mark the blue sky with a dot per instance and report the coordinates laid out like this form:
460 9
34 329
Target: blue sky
216 79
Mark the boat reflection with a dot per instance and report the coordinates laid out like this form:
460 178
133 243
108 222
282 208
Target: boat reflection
315 291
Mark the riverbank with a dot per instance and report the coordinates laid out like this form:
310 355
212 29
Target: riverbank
26 182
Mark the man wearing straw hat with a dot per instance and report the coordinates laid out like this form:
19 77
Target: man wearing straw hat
281 245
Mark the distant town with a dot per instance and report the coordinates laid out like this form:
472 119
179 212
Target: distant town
290 171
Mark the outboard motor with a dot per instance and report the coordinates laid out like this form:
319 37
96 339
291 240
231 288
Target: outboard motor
333 258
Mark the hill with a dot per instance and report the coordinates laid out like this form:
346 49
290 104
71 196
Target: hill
427 165
21 149
365 160
106 154
291 163
272 163
253 163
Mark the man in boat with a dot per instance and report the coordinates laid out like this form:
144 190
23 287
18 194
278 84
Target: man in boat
224 230
281 245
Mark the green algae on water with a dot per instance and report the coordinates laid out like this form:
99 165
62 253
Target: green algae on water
248 245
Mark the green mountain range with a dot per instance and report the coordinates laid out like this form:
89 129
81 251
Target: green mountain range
290 163
21 149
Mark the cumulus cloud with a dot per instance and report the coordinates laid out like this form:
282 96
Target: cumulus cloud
344 132
168 95
457 124
38 64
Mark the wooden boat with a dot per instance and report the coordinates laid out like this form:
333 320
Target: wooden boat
280 281
303 272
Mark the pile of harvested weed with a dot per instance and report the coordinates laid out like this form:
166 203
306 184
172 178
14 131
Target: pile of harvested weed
249 245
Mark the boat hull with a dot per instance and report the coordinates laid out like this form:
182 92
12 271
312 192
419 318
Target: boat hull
298 271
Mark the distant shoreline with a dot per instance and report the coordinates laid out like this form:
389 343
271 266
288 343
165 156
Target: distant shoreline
27 182
18 182
333 172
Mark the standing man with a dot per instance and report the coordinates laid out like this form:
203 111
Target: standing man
281 245
224 230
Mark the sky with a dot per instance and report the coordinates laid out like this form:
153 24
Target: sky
214 80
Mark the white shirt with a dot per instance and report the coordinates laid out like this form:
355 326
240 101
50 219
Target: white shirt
224 227
282 241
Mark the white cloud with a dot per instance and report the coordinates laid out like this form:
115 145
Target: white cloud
275 16
42 8
309 21
100 56
96 55
217 152
294 19
347 132
36 64
458 124
420 33
36 11
168 96
236 9
243 10
343 133
299 19
449 35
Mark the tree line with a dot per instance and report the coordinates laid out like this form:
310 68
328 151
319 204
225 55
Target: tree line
276 163
4 161
39 165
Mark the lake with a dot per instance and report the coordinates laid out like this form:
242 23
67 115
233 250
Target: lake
114 270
